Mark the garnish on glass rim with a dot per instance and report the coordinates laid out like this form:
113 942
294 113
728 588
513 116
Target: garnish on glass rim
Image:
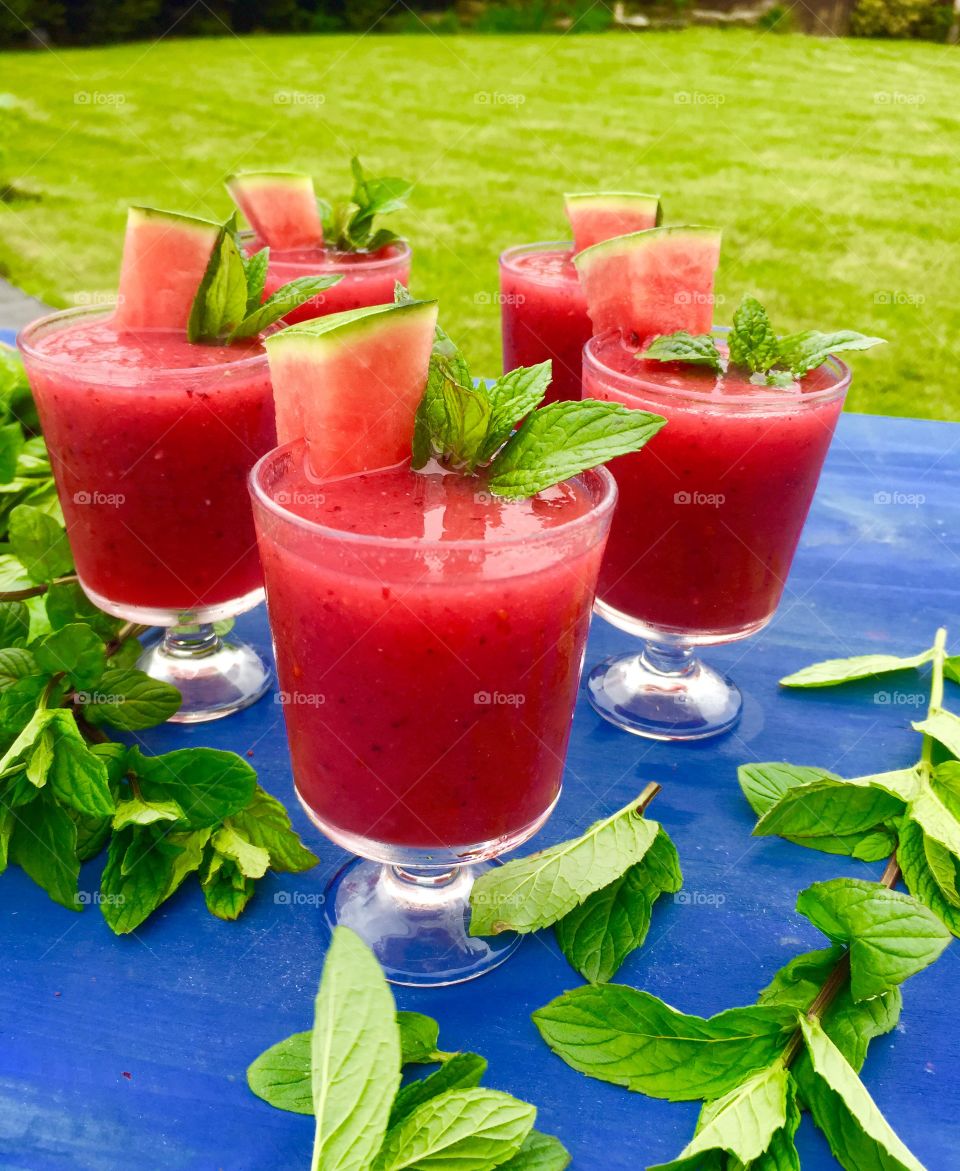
307 220
755 349
525 448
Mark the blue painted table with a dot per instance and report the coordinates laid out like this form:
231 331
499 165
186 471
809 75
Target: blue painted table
123 1053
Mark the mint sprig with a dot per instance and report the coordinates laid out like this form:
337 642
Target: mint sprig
346 1072
348 224
524 448
754 350
227 307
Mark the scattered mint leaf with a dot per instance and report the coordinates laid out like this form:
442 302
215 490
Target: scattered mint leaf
419 1039
742 1123
763 784
891 936
480 1129
355 1057
252 861
951 668
834 671
226 889
16 663
264 822
11 445
628 1037
40 543
74 650
694 349
919 877
207 784
858 1134
43 842
539 1152
943 726
281 1074
803 352
565 438
752 341
14 624
829 808
527 894
137 812
597 936
129 699
464 1071
66 604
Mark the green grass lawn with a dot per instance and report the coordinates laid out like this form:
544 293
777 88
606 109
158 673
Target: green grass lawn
831 165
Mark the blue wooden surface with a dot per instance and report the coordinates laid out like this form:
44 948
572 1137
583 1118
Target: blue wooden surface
123 1053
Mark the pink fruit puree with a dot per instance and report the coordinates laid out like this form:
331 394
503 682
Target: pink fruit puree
429 668
151 439
368 278
710 513
544 314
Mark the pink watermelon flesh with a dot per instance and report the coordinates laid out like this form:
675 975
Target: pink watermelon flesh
653 282
164 258
350 384
595 218
280 207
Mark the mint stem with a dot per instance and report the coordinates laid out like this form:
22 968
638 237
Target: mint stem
649 792
837 979
37 590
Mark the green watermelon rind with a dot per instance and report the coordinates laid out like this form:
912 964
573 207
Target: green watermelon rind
139 213
613 199
242 179
337 329
619 245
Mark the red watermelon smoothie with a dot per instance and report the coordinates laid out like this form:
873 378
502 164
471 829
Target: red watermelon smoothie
543 314
429 639
151 439
709 520
368 277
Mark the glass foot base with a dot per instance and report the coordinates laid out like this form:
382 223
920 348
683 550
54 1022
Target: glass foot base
415 922
215 676
664 694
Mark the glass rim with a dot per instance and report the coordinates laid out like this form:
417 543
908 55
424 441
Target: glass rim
25 344
634 383
603 506
509 256
372 260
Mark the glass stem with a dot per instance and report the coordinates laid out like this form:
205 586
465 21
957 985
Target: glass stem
191 641
669 658
425 879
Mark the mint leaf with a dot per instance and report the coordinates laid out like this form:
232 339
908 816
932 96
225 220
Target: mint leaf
129 699
287 298
951 668
833 671
255 269
14 624
849 1024
565 438
463 1071
857 1132
944 727
451 406
529 893
16 663
137 812
597 936
264 822
830 809
74 650
694 349
539 1152
11 444
252 861
753 344
66 603
209 785
419 1038
77 776
220 303
226 889
475 1128
764 783
920 880
891 936
371 197
137 878
43 842
628 1037
355 1057
40 543
803 352
742 1123
281 1074
512 397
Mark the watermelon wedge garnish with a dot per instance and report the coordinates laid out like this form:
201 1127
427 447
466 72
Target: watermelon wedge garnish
654 282
280 206
350 384
165 255
600 215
